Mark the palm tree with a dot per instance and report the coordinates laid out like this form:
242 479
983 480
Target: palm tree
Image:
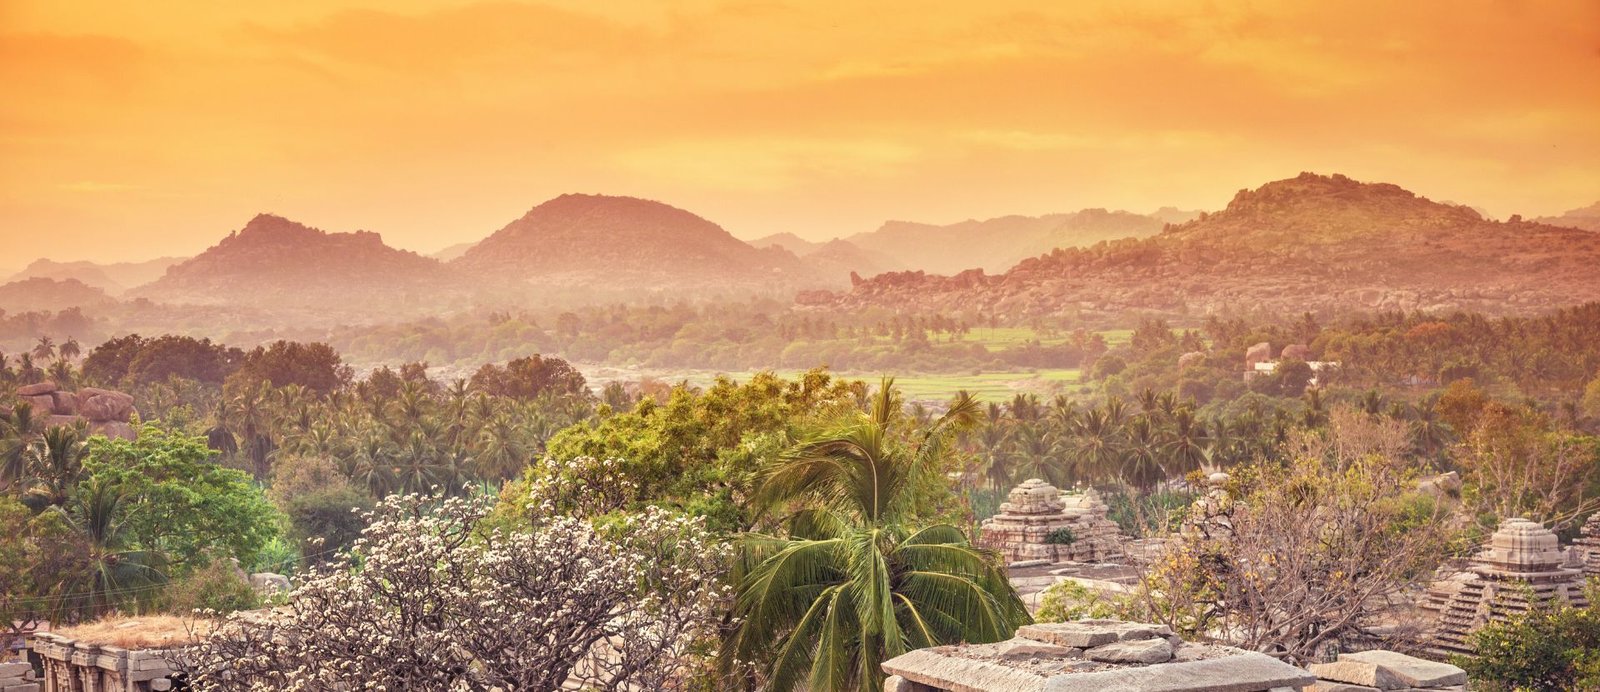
70 349
855 582
1141 462
55 463
62 373
1186 444
45 349
17 434
1097 440
112 570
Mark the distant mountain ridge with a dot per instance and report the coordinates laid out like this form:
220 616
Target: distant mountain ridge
1586 218
997 244
276 263
49 295
113 278
1311 242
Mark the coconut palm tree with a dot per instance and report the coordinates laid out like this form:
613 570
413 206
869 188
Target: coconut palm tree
55 463
112 570
45 349
856 580
1141 460
1186 441
17 435
70 349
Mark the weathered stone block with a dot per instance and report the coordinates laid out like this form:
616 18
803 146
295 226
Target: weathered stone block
1132 651
1357 673
1069 634
1410 670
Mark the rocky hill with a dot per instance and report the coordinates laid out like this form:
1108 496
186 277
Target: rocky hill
1586 218
835 260
113 278
277 264
43 294
604 244
1306 243
995 245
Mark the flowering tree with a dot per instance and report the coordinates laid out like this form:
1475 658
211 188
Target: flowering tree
427 599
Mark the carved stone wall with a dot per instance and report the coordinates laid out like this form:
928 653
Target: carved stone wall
70 666
1040 524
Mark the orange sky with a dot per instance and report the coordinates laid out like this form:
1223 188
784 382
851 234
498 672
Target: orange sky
135 129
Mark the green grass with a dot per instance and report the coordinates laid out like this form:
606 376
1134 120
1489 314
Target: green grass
989 386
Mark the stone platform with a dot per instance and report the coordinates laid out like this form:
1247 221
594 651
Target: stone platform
1103 655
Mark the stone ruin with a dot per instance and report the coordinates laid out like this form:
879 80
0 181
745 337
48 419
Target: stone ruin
71 666
1587 547
1091 655
1523 566
107 412
1371 671
18 677
1040 525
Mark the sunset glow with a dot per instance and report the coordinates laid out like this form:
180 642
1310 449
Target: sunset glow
131 130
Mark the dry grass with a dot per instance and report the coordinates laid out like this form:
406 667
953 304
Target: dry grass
145 632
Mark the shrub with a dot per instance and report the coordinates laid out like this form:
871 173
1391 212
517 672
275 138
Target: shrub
219 586
1068 600
1061 536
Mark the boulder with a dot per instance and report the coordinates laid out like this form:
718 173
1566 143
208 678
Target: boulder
1296 352
43 404
59 421
66 403
106 407
36 389
1259 353
269 582
116 430
1191 358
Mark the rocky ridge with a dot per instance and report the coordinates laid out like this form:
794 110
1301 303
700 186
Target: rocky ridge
1311 242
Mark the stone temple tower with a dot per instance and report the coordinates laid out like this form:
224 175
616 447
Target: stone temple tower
1522 566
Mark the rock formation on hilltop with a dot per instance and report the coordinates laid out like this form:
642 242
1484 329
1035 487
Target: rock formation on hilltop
1306 243
1586 218
995 245
102 411
608 244
276 264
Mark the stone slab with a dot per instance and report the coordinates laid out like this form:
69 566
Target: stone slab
1357 672
1411 670
1080 635
926 667
1246 672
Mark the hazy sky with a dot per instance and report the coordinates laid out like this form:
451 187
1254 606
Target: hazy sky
135 129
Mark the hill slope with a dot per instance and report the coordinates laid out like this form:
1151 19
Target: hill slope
1586 218
45 294
997 244
113 278
1306 243
607 244
276 264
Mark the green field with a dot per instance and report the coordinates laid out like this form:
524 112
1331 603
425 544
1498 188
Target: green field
989 386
